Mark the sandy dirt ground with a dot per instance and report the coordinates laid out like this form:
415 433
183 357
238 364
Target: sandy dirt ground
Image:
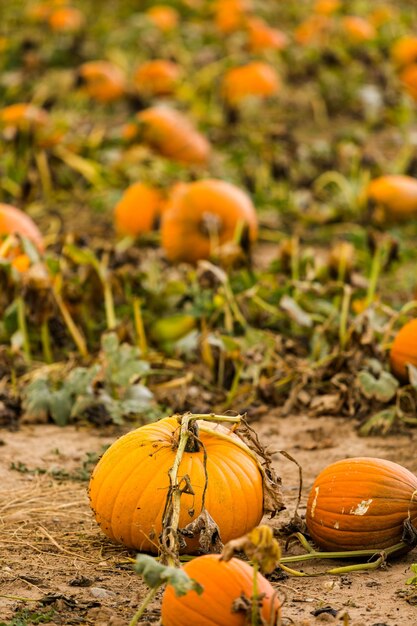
55 562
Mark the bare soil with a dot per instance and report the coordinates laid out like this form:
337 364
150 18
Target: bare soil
55 562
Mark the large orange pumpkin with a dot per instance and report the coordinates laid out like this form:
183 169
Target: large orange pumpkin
103 81
361 503
395 195
224 582
129 485
172 135
404 350
14 221
254 79
138 210
194 208
157 78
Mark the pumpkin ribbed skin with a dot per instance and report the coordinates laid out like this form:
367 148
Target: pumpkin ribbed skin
183 235
223 583
404 350
14 221
396 194
361 503
129 486
172 135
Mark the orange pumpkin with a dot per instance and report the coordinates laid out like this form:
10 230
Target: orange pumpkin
14 221
103 81
157 78
23 116
224 582
230 15
360 504
382 14
313 30
358 28
193 209
326 7
129 485
408 78
66 19
172 135
395 196
404 350
138 210
263 37
163 17
254 79
404 51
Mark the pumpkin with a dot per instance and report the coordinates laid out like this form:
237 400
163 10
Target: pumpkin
382 14
326 7
263 37
138 210
408 78
194 208
224 582
230 15
404 51
253 79
23 115
103 81
360 504
395 196
172 135
404 350
313 30
157 78
14 221
129 485
66 19
358 29
163 17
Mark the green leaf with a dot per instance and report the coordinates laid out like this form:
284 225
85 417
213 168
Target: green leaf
413 579
380 423
382 388
81 256
36 398
80 379
156 575
60 405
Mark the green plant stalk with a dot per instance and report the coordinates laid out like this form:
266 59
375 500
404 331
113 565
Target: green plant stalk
21 322
147 599
46 342
44 173
234 388
72 328
102 272
350 554
374 276
295 259
344 314
139 326
19 598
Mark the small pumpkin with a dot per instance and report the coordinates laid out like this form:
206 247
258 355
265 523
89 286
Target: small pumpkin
164 17
404 51
408 78
361 503
326 7
157 78
253 79
66 19
395 196
102 80
172 135
22 116
224 582
358 29
313 30
263 37
14 221
198 212
404 350
230 15
138 210
129 485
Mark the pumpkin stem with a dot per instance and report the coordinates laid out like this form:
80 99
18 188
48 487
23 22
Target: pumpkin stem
192 443
148 598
